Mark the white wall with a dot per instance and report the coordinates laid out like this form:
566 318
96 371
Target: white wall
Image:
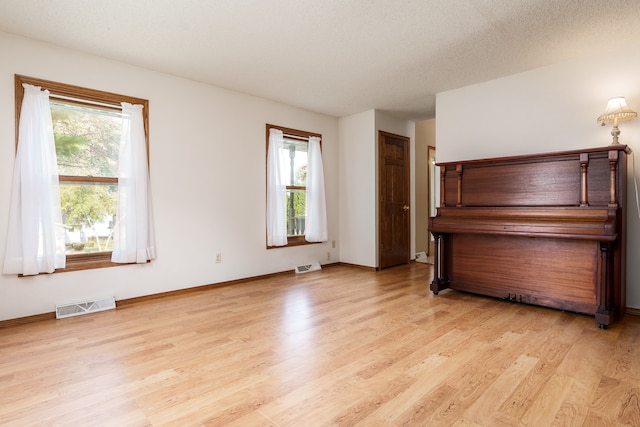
548 109
357 158
207 160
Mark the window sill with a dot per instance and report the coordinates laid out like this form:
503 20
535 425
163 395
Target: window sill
88 261
294 241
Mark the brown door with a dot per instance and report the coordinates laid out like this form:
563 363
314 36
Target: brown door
393 190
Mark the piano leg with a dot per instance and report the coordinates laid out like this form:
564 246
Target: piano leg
604 313
439 282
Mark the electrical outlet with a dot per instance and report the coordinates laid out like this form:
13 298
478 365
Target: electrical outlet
218 258
328 256
333 244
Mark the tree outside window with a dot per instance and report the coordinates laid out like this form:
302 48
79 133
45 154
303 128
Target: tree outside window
87 142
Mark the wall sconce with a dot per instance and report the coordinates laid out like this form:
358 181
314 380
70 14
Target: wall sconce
617 111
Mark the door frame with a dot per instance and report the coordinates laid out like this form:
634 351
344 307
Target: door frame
433 181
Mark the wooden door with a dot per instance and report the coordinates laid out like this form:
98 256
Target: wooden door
393 191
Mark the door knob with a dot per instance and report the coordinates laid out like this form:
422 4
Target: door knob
405 208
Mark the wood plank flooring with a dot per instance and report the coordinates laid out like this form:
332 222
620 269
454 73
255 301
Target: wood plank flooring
339 347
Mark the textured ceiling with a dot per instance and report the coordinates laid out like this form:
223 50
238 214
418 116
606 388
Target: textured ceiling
336 57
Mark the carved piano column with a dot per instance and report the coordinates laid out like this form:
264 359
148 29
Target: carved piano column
613 179
459 173
584 186
443 176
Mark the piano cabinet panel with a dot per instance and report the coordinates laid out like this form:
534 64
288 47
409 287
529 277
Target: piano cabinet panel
598 182
557 273
532 184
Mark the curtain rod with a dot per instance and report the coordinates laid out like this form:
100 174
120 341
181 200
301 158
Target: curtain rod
85 101
302 138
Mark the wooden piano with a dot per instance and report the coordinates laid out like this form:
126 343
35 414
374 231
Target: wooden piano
546 229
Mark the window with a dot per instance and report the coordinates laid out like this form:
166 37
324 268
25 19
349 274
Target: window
292 176
87 127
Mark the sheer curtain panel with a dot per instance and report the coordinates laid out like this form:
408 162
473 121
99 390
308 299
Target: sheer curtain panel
35 242
276 191
134 235
316 227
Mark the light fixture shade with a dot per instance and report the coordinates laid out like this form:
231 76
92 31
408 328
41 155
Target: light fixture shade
617 111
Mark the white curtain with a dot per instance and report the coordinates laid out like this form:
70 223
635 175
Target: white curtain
134 235
316 209
35 242
276 191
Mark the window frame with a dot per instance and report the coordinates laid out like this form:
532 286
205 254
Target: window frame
291 240
78 93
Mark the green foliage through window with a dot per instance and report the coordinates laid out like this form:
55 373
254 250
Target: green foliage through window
87 142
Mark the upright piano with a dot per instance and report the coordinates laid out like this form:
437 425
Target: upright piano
545 229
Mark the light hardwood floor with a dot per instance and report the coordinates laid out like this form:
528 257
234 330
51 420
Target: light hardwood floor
342 346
